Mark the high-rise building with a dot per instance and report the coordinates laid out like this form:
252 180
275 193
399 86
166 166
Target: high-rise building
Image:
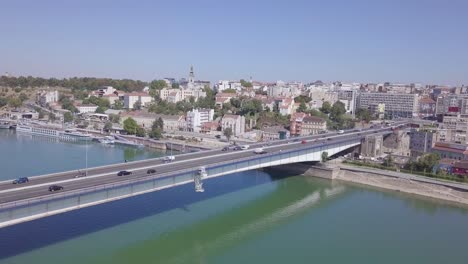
396 105
197 117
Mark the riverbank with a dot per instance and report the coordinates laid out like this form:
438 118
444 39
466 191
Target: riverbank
394 181
440 190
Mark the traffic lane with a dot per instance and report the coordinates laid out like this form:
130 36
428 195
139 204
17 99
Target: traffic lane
34 180
150 162
157 161
113 178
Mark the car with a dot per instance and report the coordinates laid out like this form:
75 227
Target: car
259 151
124 173
340 131
237 148
244 147
296 140
304 141
54 188
150 171
225 149
21 180
218 136
168 159
329 139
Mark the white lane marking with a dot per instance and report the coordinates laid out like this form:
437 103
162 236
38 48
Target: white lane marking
153 166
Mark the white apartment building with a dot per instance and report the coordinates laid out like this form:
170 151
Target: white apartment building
47 97
131 98
197 117
286 107
235 122
177 95
396 105
225 85
106 90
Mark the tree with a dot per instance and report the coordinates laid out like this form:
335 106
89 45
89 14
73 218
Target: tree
160 123
324 156
41 114
363 115
114 118
302 107
157 128
302 98
388 162
175 86
23 97
326 107
14 102
140 132
158 84
100 110
230 91
3 101
67 117
137 105
52 117
108 126
228 133
245 83
130 126
337 110
118 104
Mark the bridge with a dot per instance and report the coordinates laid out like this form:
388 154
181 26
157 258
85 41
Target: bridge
25 202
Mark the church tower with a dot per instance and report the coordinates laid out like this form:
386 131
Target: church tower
191 75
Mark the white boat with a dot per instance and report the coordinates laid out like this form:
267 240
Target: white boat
52 132
4 125
106 140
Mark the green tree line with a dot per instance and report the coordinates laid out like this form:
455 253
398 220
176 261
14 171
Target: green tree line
88 83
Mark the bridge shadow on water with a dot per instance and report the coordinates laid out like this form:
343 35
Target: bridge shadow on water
42 232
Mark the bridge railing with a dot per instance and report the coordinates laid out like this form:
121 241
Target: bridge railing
278 155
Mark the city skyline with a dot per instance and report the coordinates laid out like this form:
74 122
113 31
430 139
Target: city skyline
363 41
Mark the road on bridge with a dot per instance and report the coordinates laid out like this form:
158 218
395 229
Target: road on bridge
38 186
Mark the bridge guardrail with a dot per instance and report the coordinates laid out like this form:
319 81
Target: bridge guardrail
133 181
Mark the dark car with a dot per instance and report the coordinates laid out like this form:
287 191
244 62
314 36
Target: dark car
21 180
225 149
296 140
150 171
218 136
123 173
329 139
304 141
54 188
237 148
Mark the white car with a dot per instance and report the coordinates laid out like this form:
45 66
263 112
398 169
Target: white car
168 159
340 131
244 147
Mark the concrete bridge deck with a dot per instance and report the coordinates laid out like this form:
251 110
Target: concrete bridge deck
33 200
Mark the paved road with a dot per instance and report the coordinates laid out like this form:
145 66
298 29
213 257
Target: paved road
38 186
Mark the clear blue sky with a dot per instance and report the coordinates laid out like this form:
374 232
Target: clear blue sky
362 40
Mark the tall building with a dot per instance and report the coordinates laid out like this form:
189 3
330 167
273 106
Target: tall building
197 117
46 97
191 75
421 142
396 105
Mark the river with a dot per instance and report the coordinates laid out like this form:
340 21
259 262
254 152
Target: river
250 217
